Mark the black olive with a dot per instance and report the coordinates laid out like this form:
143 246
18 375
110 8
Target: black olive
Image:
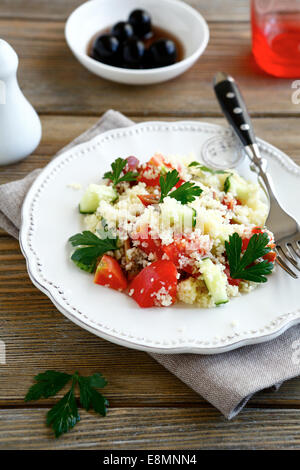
163 52
141 23
133 51
122 31
106 49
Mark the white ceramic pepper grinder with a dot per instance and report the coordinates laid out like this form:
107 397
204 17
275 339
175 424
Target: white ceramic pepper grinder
20 126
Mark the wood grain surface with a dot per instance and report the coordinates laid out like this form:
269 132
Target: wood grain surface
150 408
58 10
57 84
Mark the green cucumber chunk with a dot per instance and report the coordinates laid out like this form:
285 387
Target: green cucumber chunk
178 215
93 195
215 281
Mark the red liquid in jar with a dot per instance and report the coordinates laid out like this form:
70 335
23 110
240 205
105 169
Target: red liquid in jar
276 43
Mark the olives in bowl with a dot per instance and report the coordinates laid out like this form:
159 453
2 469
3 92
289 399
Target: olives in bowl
136 44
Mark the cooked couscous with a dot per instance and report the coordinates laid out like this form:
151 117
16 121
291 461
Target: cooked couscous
173 230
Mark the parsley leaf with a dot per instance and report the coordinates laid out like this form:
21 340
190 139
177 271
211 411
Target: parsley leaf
167 182
64 414
89 397
48 384
227 184
241 267
187 192
207 169
93 247
115 175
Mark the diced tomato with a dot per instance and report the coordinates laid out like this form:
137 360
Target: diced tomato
257 230
180 182
230 204
158 160
245 243
148 199
271 256
149 175
181 249
109 274
231 281
176 252
155 285
147 243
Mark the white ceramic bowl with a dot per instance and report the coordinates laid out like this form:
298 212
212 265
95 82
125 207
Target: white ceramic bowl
172 15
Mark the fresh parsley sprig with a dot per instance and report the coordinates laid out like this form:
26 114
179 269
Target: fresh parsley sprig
64 414
91 247
168 182
242 267
207 169
115 175
187 192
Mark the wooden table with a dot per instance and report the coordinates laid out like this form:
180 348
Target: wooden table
150 408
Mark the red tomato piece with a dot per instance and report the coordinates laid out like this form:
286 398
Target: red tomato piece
155 285
271 256
245 243
109 274
158 160
231 281
257 230
147 243
176 252
148 199
149 175
180 182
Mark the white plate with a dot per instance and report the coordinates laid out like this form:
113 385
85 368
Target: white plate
50 216
96 15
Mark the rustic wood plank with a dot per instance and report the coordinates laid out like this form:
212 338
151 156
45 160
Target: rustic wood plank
38 337
214 10
56 83
58 131
157 428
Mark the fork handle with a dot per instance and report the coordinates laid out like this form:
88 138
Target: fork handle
234 108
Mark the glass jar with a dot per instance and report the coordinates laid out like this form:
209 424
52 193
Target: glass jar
276 36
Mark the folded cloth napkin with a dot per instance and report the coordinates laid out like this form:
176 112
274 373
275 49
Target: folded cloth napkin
226 380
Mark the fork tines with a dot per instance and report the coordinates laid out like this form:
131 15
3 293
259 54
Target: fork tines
289 253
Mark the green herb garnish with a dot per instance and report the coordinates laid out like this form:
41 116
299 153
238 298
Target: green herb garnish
168 182
241 267
91 248
227 184
115 175
187 192
64 414
207 169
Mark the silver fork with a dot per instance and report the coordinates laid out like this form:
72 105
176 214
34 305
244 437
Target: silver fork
285 228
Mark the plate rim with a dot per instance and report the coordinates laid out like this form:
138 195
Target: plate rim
277 327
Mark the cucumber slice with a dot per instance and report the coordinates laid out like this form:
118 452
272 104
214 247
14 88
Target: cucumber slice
175 214
93 195
240 188
215 281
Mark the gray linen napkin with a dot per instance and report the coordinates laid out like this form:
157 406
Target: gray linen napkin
226 380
